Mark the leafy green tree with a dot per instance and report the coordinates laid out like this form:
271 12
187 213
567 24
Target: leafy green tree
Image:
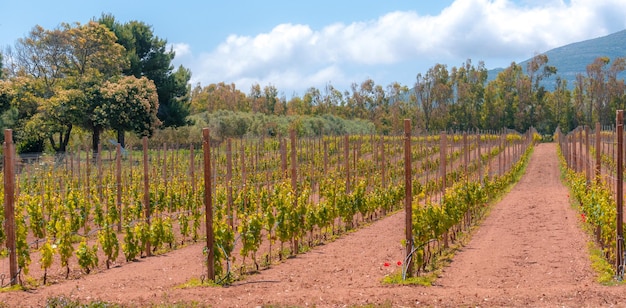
560 109
538 69
149 57
218 96
434 94
18 104
129 104
67 64
502 101
468 82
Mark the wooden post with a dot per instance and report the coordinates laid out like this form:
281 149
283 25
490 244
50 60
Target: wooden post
164 172
146 190
9 204
294 181
192 169
346 156
443 152
587 155
383 163
599 149
325 156
408 197
208 204
500 154
243 164
572 151
620 189
229 182
465 155
99 166
598 170
118 184
283 157
480 158
581 158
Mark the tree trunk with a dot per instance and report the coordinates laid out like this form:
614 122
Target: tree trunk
120 138
65 139
95 140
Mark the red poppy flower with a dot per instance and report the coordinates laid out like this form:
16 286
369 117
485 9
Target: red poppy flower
399 263
387 264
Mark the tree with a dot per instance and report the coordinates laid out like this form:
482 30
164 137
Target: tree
130 104
538 69
468 83
434 94
502 100
18 104
67 64
1 67
95 58
561 110
149 57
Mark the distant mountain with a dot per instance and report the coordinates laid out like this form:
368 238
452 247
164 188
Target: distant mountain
573 59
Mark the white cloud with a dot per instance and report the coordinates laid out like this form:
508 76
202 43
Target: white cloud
295 57
181 49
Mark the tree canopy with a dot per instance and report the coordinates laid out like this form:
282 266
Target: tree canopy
149 57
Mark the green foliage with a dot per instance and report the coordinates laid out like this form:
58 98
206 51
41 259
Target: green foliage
87 257
110 244
229 124
129 104
47 256
597 206
65 302
130 247
64 243
463 203
21 245
148 56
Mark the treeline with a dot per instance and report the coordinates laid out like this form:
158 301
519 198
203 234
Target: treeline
457 98
106 77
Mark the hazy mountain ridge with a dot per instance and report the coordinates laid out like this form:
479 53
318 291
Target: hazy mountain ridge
573 59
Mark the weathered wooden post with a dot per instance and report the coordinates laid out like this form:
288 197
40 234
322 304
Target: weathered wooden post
9 204
208 204
294 181
620 189
597 173
346 156
408 197
118 184
229 184
443 152
146 190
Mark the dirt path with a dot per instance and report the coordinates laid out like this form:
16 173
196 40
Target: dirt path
530 251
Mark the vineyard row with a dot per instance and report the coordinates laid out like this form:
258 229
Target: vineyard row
71 212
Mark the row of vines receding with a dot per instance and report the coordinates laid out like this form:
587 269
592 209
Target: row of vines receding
593 163
271 198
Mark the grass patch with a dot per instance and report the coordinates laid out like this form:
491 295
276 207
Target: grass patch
16 287
601 266
65 302
195 282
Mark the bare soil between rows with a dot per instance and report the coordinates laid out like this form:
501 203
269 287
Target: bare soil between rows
530 251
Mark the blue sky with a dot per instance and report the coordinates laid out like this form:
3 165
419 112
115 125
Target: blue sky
295 45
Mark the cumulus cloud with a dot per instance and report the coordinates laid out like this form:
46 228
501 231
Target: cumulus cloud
181 49
295 56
